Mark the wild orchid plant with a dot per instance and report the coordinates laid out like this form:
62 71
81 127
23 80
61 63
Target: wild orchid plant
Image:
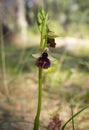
43 61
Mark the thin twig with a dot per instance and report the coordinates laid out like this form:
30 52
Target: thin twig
5 83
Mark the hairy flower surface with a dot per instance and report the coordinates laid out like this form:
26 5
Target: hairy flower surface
43 61
51 42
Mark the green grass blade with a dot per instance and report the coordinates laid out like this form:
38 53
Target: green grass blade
72 119
76 114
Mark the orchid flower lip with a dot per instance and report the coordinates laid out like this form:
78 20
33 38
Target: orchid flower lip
43 61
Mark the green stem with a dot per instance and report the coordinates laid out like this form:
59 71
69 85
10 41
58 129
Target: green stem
36 122
73 128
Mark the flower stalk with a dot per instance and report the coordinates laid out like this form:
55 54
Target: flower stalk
36 122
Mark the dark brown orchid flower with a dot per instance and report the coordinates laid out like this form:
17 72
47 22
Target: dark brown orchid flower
43 61
55 123
51 42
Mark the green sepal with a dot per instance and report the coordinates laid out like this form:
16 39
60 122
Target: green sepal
52 36
37 55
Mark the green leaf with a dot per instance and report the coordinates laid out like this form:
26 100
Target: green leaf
76 114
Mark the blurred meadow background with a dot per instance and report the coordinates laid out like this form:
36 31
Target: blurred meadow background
65 83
